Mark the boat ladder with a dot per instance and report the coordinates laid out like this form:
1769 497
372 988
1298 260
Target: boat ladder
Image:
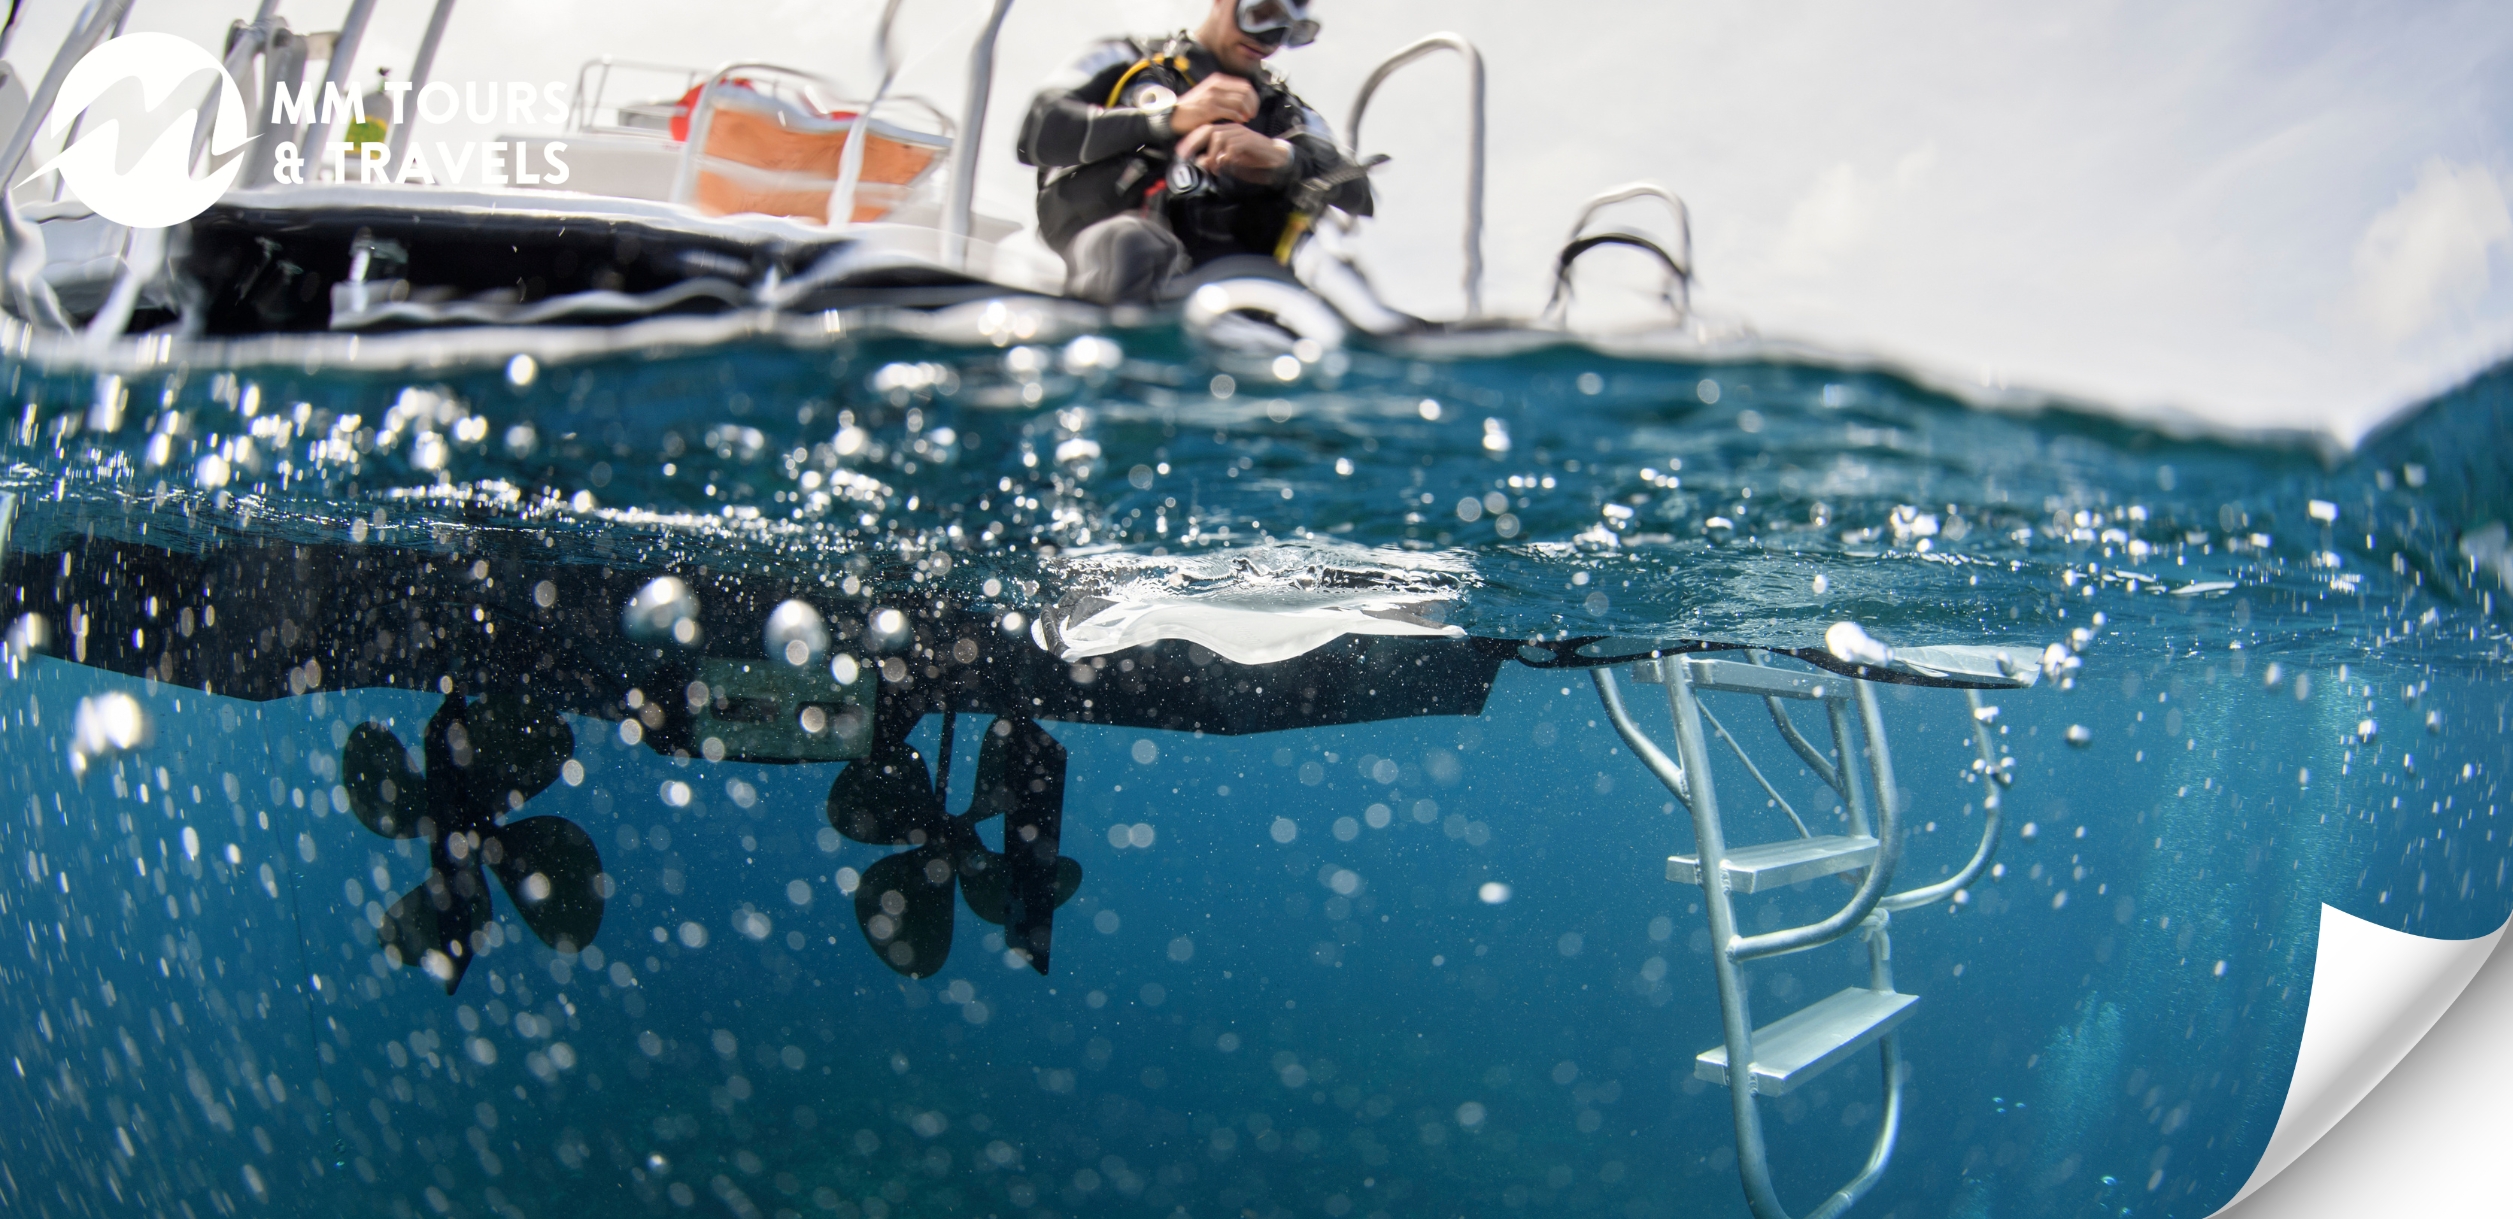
1785 1054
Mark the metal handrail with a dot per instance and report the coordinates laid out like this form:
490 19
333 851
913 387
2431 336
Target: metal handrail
398 140
1642 747
1879 874
29 296
1641 190
1806 751
102 16
586 100
1679 264
1846 779
958 207
851 160
251 39
335 79
1474 141
1990 811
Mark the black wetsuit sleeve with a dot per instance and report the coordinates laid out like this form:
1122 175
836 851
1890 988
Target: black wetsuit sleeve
1315 152
1070 124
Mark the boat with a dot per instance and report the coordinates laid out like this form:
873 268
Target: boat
738 193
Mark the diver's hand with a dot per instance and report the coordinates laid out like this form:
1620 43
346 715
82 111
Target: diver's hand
1228 148
1221 98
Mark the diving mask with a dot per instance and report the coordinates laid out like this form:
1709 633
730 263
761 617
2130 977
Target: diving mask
1275 23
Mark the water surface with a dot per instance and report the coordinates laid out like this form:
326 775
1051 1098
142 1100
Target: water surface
1283 988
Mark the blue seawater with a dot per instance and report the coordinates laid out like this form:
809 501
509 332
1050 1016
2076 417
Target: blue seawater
1420 966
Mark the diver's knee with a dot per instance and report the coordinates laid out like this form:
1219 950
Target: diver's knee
1125 258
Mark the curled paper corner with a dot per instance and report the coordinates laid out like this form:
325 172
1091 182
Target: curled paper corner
2375 993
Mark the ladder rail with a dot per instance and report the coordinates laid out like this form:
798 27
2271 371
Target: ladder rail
1879 879
1420 47
1814 758
1991 814
1735 1016
1642 747
1889 1055
1837 717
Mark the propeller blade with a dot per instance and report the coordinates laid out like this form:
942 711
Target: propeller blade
982 883
886 799
1021 770
904 906
517 748
554 876
432 925
386 795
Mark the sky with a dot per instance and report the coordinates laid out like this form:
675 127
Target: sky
2291 215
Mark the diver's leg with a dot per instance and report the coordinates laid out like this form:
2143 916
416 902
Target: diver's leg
1123 259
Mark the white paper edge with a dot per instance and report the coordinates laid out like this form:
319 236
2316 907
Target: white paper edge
2375 993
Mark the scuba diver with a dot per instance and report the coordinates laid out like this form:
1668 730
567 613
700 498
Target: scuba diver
1160 155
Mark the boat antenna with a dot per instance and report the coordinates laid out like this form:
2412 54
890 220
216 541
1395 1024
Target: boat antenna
885 47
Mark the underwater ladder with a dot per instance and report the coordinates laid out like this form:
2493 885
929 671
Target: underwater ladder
1788 1052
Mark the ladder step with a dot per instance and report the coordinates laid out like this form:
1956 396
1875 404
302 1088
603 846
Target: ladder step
1740 678
1804 1044
1772 865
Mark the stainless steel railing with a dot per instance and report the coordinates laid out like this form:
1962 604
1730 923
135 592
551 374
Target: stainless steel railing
1474 141
958 208
421 67
1678 261
315 131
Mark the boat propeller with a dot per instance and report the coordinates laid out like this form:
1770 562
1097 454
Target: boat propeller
904 901
482 761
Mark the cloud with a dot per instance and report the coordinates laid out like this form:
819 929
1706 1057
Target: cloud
2424 260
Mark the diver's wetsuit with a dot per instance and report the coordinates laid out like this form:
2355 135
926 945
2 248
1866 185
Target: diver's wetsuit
1103 156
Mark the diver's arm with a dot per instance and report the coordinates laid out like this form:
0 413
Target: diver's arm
1314 152
1062 130
1313 156
1066 127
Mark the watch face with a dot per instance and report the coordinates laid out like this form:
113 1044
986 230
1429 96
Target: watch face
1153 97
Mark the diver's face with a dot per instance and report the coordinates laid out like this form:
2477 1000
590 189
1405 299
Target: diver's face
1234 49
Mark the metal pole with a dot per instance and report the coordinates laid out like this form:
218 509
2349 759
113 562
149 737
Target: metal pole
851 161
1736 1019
1474 142
399 139
250 40
102 16
1991 814
335 80
1642 747
1879 874
956 212
1848 775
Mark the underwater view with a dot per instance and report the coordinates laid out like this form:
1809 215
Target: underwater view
1333 887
